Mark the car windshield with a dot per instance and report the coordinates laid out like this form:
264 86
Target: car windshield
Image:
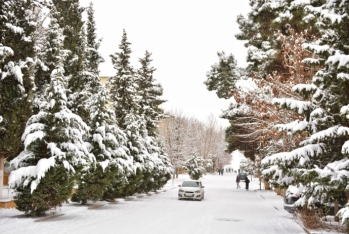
191 184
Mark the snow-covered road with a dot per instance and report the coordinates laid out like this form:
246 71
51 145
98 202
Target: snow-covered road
224 210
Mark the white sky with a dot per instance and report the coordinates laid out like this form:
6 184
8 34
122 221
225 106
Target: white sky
184 37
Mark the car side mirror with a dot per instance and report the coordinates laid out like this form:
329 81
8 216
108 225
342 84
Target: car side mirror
202 186
179 185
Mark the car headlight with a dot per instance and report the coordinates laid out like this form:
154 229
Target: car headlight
181 191
197 191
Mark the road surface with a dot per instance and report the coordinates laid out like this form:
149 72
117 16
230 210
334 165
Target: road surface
225 209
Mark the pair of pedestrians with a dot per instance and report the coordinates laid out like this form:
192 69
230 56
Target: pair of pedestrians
247 182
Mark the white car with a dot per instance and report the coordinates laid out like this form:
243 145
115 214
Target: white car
191 189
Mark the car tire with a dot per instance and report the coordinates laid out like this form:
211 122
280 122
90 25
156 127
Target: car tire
179 199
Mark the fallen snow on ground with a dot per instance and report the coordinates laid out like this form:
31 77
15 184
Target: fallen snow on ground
225 209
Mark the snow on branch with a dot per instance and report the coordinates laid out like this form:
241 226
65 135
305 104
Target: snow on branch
343 76
302 154
14 29
292 104
304 87
341 59
316 48
345 148
345 111
293 127
319 136
5 51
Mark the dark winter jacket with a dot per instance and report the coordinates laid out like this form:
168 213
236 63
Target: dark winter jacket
247 181
237 178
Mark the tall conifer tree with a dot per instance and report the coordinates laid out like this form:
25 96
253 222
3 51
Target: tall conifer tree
103 180
54 150
17 60
150 93
123 88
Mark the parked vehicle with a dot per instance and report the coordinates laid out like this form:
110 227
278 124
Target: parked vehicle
242 176
293 194
191 189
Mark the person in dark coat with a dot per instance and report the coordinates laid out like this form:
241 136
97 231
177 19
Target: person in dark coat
247 182
237 181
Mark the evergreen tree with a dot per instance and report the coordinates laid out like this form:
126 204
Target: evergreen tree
194 166
222 76
75 41
123 88
320 161
48 54
54 151
165 170
70 21
155 171
42 71
93 57
17 61
104 180
135 144
150 93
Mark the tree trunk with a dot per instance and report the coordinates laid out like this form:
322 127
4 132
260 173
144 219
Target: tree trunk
260 183
266 184
2 162
336 208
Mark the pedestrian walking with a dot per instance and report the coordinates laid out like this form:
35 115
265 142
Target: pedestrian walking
219 171
237 181
222 171
247 182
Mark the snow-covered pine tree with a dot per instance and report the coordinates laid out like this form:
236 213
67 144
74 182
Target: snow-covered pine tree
75 41
156 165
42 71
17 58
104 179
322 159
47 53
228 80
54 151
150 93
164 171
71 21
123 87
255 90
223 75
194 166
135 144
17 62
247 165
93 57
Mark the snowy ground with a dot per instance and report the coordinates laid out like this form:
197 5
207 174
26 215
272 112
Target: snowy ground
225 209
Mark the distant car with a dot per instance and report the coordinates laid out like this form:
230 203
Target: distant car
242 176
191 189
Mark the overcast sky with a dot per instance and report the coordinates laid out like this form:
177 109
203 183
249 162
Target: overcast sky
183 36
